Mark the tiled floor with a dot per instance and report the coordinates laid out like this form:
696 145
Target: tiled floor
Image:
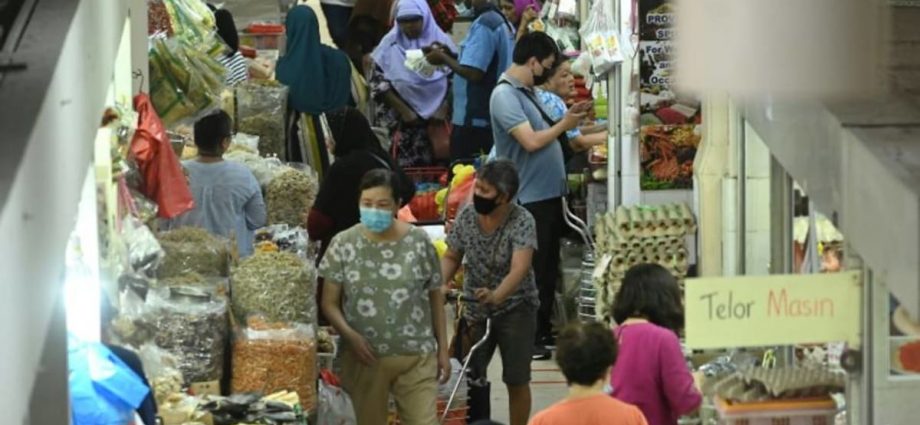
547 387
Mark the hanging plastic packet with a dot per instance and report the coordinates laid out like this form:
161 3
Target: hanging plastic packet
568 9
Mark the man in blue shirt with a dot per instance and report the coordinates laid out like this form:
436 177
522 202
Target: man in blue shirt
526 138
484 54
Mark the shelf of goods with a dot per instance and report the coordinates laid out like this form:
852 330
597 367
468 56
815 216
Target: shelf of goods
630 236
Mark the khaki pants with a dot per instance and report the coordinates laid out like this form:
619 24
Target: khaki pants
411 379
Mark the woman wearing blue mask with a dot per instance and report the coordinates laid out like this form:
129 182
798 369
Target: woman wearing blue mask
383 295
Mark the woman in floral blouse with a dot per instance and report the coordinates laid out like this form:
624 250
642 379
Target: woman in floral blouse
383 295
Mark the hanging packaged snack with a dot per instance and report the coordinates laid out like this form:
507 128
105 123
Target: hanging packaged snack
261 107
185 82
193 250
271 357
601 38
290 195
192 325
277 285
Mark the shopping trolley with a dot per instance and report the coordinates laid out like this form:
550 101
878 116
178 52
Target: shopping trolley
456 296
587 291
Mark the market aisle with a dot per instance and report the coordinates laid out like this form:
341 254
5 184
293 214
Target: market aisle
548 386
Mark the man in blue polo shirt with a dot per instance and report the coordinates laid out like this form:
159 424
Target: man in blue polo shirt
523 135
484 54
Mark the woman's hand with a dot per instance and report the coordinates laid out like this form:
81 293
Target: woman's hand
486 296
362 348
443 366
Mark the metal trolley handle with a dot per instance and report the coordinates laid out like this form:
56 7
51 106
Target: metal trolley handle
455 296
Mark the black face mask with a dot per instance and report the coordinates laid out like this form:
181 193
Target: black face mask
484 206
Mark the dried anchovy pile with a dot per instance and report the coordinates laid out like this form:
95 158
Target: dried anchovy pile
261 107
276 285
274 360
195 332
289 196
193 250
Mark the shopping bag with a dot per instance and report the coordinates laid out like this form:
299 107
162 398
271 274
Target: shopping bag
335 407
103 390
164 178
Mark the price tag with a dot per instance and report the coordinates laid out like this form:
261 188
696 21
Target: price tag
601 266
205 388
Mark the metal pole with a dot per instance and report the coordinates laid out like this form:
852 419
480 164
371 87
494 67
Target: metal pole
615 100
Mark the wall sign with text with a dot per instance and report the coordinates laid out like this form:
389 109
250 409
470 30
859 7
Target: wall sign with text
773 310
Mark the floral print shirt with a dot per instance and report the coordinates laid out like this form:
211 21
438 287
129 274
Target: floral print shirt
386 288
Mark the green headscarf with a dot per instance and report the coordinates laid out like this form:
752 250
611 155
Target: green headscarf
319 77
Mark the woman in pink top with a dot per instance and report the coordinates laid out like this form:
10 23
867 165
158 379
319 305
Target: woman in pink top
651 372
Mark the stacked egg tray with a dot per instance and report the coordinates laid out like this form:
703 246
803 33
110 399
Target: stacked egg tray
758 384
631 236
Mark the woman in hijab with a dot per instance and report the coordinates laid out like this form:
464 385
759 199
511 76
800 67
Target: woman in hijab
357 151
319 81
233 61
521 13
406 100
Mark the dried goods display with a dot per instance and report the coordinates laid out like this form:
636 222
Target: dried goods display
270 357
158 19
290 195
261 107
276 285
191 325
193 250
637 235
264 169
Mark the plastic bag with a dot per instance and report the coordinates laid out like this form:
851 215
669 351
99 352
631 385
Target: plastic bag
261 107
271 357
264 169
193 250
144 251
291 194
162 371
284 238
130 326
459 196
164 179
250 141
601 38
277 285
103 390
191 325
335 406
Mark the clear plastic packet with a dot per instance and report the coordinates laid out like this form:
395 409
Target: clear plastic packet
601 39
185 82
281 237
162 371
277 285
215 285
276 356
192 325
130 326
193 250
250 141
144 251
261 107
264 169
291 194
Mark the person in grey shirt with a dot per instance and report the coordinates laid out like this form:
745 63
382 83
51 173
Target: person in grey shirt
524 134
228 199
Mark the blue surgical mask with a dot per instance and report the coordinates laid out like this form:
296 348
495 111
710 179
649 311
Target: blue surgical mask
377 221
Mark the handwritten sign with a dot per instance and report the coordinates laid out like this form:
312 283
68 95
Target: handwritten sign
773 310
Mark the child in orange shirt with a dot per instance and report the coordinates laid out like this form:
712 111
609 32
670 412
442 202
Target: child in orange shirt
586 353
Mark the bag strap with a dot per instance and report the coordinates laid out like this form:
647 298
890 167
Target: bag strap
536 103
381 161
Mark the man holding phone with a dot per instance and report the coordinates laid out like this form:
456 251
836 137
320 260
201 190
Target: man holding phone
524 134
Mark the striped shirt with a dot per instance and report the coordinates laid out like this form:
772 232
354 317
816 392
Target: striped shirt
237 68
